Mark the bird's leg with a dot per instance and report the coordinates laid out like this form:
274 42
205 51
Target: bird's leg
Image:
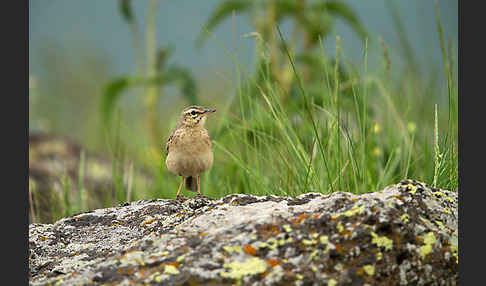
198 185
179 190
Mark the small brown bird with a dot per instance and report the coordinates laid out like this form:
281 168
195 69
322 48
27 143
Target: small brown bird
189 149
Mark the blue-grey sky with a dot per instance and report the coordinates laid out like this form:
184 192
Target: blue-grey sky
97 26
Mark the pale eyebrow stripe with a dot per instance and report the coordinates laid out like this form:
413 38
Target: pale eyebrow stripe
191 110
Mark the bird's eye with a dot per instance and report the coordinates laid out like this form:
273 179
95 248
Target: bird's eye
193 112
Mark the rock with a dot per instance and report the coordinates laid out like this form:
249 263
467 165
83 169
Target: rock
404 234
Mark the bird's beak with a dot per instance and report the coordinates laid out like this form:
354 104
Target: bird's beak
209 111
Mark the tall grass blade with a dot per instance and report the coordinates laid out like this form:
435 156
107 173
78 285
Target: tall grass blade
307 107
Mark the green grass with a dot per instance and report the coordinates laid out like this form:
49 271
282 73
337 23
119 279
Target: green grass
277 148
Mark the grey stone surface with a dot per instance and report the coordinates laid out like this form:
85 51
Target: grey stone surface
404 234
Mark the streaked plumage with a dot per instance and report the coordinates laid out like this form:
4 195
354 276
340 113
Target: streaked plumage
189 149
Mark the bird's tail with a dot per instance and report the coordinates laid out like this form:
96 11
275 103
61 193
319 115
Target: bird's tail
191 184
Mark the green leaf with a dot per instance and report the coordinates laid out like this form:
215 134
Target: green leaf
110 95
287 8
221 12
317 28
126 10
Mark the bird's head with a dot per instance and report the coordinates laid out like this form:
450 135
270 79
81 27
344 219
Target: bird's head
194 115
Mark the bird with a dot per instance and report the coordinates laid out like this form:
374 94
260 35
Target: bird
189 149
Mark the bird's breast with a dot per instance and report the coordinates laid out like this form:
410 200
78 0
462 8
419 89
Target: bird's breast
190 154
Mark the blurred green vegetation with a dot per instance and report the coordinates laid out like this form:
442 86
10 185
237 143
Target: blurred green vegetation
305 120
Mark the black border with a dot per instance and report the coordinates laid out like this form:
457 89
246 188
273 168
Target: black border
14 117
471 122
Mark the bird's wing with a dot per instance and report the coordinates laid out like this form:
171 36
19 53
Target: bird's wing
169 141
209 140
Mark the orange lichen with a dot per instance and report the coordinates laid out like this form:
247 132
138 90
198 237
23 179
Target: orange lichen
302 217
294 222
115 223
269 230
250 250
346 232
173 263
339 248
273 262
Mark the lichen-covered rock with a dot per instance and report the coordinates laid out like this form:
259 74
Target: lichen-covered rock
404 234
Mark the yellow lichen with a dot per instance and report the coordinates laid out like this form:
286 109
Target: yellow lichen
171 270
313 255
382 241
379 256
429 241
355 210
340 227
440 194
263 244
272 243
156 276
369 269
412 188
455 250
405 217
332 282
299 276
251 266
324 239
308 242
115 223
287 227
161 253
148 221
231 249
